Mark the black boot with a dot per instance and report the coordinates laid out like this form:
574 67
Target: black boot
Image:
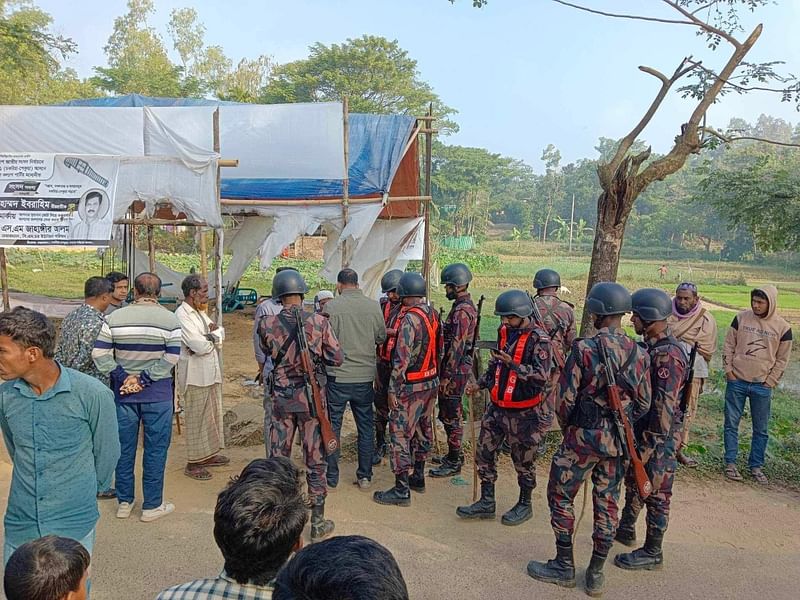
417 479
399 495
560 570
595 580
320 526
626 532
380 448
521 511
647 557
484 508
450 465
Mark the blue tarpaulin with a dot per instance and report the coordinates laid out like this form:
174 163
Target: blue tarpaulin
376 146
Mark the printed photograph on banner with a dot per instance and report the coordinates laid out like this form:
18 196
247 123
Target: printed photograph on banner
57 199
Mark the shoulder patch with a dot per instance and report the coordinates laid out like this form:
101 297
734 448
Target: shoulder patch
663 373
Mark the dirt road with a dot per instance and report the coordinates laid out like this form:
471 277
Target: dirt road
725 540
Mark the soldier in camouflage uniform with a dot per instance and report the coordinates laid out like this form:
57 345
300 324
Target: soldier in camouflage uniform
458 330
291 404
391 307
412 389
557 319
515 378
656 432
591 447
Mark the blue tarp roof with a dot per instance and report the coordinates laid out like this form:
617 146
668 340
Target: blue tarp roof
376 146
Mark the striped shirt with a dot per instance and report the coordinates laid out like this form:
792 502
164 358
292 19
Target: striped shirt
220 588
141 339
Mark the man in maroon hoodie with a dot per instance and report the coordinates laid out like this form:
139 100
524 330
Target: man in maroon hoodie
754 356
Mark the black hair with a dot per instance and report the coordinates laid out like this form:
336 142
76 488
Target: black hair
350 567
759 294
115 277
191 282
45 569
147 284
259 518
96 287
347 277
29 329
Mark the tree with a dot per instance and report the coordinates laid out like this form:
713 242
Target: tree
375 74
551 185
137 60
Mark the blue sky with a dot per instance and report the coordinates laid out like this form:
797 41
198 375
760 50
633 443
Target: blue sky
521 73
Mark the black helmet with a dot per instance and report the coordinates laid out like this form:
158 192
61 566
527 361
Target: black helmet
390 280
546 278
456 274
651 304
288 282
608 298
411 284
513 302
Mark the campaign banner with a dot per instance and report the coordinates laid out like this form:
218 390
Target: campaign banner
57 199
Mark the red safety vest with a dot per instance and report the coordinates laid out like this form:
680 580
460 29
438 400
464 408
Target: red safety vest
506 399
429 367
385 350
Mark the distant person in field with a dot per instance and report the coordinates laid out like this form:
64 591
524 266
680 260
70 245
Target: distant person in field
662 271
755 354
48 568
692 324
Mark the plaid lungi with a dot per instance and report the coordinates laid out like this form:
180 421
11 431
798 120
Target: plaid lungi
203 418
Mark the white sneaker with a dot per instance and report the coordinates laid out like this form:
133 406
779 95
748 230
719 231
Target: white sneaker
124 510
151 514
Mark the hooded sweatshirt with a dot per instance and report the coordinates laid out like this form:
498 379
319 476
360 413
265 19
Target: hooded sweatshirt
757 349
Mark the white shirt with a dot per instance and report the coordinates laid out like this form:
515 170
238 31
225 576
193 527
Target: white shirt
199 361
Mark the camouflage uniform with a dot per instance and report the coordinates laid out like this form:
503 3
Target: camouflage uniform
291 406
391 316
590 446
559 323
410 431
523 428
458 331
655 433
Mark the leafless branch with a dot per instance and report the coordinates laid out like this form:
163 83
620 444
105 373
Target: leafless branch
622 16
703 24
729 139
705 6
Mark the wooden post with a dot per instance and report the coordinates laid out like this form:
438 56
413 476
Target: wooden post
217 234
151 249
426 251
346 181
4 279
203 255
571 221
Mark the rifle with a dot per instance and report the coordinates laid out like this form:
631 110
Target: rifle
688 388
624 430
329 442
559 358
474 351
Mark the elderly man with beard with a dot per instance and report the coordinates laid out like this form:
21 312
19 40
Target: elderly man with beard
692 324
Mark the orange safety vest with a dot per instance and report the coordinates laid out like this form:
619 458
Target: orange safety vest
385 350
430 363
506 400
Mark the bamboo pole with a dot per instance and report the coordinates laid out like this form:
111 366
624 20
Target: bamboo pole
315 202
217 233
4 279
426 251
203 255
346 180
151 249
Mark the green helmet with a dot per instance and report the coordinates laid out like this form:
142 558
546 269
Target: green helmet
288 282
651 304
608 298
390 280
456 274
513 302
411 284
546 278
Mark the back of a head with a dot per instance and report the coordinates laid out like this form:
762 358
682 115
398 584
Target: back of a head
45 569
97 286
29 329
147 284
347 277
349 567
259 519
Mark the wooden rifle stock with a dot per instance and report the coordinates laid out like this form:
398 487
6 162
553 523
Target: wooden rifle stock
329 442
624 430
474 351
688 388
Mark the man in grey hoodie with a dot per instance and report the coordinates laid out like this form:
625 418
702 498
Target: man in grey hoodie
754 356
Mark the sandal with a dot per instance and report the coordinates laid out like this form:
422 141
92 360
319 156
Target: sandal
687 461
732 473
198 472
759 476
218 460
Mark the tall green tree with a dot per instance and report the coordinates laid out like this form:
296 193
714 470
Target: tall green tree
375 74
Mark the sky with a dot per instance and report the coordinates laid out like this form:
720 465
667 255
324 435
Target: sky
521 73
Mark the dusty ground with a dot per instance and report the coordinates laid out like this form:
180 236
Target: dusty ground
725 540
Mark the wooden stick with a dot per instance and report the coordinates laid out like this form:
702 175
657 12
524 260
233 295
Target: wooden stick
426 251
4 279
346 180
315 202
474 447
203 255
151 249
217 234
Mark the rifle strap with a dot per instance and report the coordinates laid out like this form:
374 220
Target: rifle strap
292 328
620 373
